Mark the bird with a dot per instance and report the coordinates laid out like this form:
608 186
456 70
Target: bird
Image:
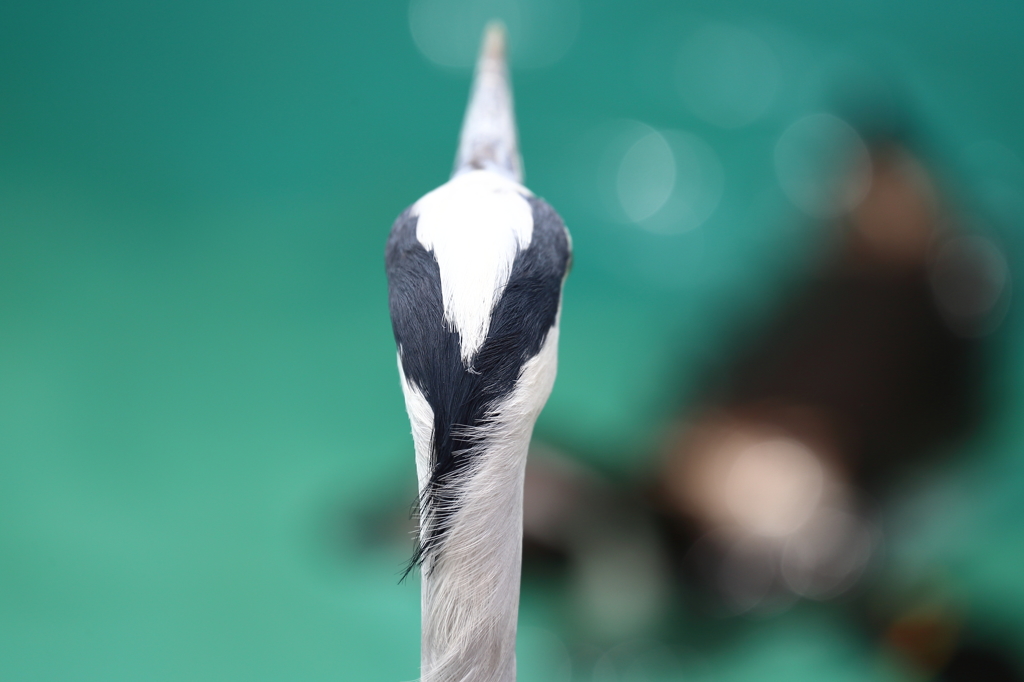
475 274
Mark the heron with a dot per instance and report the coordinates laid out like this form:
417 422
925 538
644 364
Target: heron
475 273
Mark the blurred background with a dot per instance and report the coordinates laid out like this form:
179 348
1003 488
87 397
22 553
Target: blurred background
785 442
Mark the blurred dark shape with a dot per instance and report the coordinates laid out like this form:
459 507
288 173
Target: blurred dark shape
926 638
556 494
936 642
384 524
600 539
870 366
762 497
970 279
927 626
863 364
982 662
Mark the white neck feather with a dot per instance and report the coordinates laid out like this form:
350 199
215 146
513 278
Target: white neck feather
470 600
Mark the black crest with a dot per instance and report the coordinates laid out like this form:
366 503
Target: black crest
523 314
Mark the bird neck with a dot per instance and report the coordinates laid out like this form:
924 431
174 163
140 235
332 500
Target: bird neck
470 593
470 597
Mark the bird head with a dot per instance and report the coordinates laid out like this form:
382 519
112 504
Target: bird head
475 272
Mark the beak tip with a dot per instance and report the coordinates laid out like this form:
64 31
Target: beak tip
494 40
488 139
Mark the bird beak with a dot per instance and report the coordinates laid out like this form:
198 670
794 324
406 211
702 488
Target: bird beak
488 140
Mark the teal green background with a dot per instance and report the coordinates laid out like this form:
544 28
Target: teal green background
198 389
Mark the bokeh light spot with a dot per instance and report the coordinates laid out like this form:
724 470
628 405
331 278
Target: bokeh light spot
774 487
698 187
747 573
823 165
662 181
969 277
828 556
646 177
726 75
